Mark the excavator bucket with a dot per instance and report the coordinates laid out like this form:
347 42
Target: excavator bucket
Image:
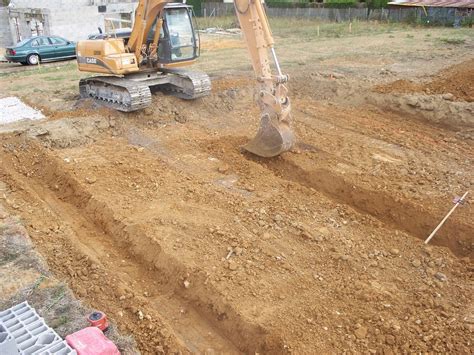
272 139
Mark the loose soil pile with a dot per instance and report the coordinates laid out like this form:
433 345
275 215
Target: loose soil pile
457 80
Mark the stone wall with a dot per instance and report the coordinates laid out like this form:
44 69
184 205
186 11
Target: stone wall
22 21
5 33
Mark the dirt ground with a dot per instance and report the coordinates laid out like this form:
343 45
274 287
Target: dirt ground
24 275
191 245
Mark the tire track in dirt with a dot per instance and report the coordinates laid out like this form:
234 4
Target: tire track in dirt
209 325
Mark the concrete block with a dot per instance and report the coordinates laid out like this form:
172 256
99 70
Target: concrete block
28 343
7 342
30 333
57 348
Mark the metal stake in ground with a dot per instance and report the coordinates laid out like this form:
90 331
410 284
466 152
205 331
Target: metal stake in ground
458 202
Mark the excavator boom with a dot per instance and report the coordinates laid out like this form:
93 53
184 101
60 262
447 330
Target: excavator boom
162 39
275 134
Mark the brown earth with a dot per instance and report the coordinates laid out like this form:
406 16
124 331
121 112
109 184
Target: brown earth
24 276
290 251
457 80
161 220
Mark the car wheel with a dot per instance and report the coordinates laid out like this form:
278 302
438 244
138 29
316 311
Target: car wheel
33 59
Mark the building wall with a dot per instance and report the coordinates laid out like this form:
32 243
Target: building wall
5 34
75 23
25 23
71 19
51 4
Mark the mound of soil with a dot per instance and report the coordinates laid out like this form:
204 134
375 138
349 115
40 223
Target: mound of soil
457 80
399 86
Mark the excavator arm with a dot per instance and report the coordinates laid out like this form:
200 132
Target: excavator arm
146 13
275 134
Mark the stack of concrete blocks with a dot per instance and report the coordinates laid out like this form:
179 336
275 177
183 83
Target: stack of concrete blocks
23 331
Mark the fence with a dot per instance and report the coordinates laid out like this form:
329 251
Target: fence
439 16
325 14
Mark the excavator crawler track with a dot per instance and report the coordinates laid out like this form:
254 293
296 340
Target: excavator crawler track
116 93
186 84
129 94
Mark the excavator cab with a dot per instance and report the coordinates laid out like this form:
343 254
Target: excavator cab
178 39
178 45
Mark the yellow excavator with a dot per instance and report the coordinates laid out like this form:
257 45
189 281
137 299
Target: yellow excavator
162 41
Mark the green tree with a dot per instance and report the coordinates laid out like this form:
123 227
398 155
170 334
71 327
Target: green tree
376 4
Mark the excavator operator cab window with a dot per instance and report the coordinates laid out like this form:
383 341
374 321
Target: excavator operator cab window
177 39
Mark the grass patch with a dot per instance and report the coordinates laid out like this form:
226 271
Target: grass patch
17 87
55 78
7 257
58 295
224 22
304 28
309 29
38 282
61 320
3 227
455 41
39 70
72 87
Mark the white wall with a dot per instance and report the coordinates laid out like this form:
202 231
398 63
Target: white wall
50 4
76 19
75 24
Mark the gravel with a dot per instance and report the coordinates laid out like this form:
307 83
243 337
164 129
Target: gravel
12 109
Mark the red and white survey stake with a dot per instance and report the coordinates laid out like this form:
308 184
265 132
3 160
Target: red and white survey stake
458 201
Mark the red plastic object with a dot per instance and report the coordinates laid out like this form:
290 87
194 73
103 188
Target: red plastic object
99 320
91 341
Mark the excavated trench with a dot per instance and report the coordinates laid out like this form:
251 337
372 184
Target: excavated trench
397 213
46 181
212 324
